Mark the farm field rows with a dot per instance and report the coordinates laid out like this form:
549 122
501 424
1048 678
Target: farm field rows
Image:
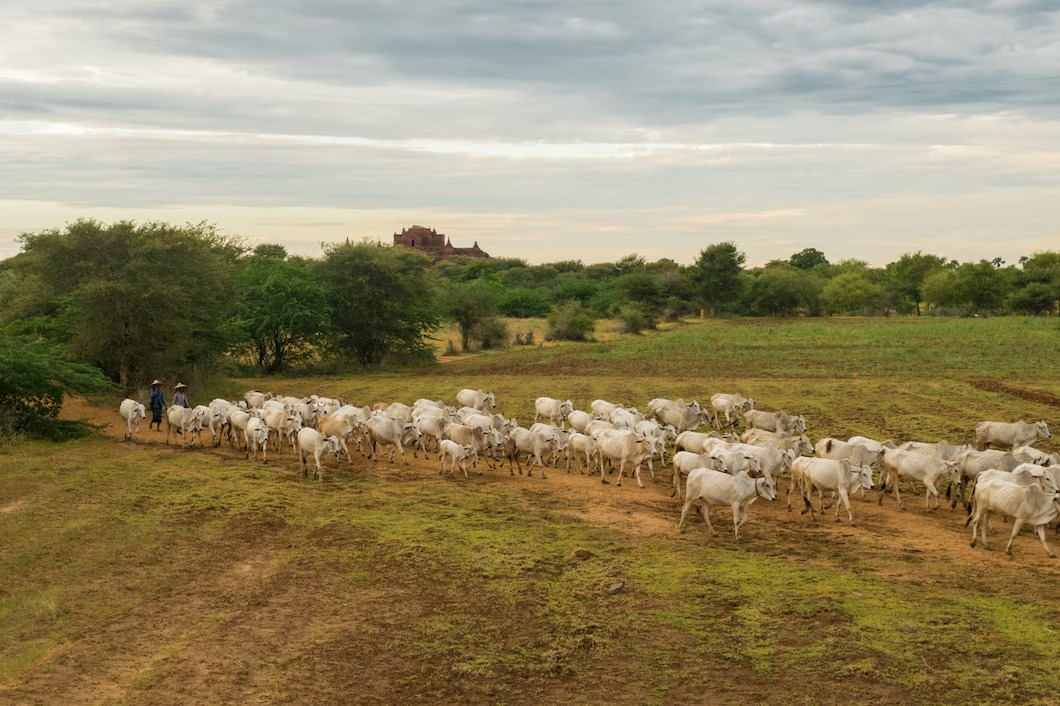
137 573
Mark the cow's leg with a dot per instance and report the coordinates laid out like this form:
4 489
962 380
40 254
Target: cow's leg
846 504
1040 529
602 478
636 474
621 470
684 514
736 519
930 491
704 508
677 482
1017 523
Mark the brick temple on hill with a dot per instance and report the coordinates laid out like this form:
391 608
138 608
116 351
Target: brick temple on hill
435 244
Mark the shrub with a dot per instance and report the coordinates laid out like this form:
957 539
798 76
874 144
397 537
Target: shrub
636 318
493 333
570 322
33 380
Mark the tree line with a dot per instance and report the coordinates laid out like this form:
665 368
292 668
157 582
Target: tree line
145 300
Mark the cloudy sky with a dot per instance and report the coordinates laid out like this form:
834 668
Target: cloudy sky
545 129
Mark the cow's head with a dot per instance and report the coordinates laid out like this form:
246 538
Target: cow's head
788 457
491 400
333 445
1043 430
766 488
952 471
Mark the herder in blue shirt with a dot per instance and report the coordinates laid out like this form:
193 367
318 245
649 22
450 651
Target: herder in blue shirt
158 403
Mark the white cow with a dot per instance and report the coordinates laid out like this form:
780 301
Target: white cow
561 435
209 418
661 434
707 487
775 421
579 420
871 444
533 444
941 449
836 475
772 460
733 462
1036 503
1029 454
696 441
555 411
431 429
970 463
314 443
580 445
132 412
603 407
187 424
481 401
729 407
683 417
1009 436
929 470
799 444
625 418
456 453
283 424
237 424
340 428
625 447
685 462
395 433
256 399
257 436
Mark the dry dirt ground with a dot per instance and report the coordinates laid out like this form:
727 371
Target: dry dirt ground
256 604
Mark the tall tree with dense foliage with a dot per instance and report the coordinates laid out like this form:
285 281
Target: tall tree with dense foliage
807 259
382 300
135 300
716 275
473 306
282 310
852 293
908 274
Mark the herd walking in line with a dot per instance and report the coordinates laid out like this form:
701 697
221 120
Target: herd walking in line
1001 472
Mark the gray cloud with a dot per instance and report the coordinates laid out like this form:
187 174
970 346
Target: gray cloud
662 118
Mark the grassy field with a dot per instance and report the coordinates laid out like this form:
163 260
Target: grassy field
137 573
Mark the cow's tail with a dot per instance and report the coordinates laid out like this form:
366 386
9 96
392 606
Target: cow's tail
970 507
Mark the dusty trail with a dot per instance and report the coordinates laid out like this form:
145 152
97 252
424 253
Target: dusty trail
650 512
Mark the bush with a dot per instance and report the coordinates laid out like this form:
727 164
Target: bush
570 322
636 318
33 380
493 333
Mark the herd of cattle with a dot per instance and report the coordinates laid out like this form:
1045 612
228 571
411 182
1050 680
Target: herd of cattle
1008 476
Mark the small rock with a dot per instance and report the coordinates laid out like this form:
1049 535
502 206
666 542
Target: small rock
582 554
615 588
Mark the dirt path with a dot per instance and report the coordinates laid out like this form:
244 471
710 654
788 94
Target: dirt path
650 512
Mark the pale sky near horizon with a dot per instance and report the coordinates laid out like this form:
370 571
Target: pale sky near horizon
543 129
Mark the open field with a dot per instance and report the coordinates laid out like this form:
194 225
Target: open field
136 573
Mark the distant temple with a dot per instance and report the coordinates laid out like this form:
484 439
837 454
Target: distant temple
435 244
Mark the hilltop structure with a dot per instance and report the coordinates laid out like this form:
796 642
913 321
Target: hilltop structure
435 244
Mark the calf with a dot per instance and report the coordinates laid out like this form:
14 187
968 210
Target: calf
456 453
257 436
314 443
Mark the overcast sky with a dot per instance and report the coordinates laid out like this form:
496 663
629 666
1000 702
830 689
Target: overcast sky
544 129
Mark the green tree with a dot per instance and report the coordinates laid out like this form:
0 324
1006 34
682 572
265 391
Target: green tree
852 293
137 301
782 290
807 259
382 300
473 307
716 275
908 274
282 310
34 377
